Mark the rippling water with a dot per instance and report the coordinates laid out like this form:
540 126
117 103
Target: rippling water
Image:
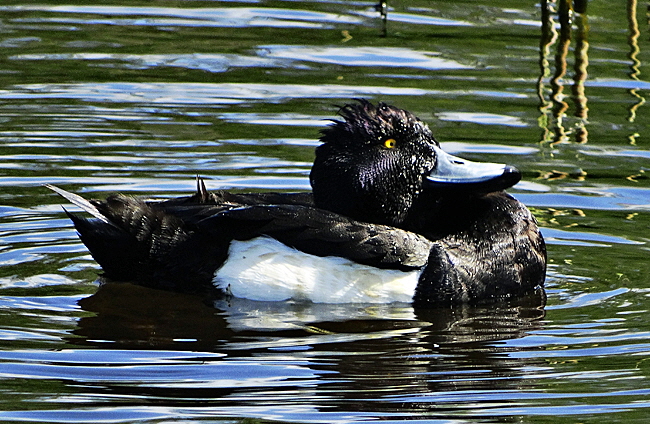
139 99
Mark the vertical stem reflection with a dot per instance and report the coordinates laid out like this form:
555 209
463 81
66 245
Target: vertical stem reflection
553 112
633 41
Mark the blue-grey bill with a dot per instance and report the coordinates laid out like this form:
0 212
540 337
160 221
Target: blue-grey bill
454 172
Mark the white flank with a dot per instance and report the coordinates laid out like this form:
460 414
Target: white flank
267 270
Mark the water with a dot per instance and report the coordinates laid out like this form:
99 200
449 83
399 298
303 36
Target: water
140 98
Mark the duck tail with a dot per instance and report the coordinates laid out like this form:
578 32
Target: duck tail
114 249
128 238
84 204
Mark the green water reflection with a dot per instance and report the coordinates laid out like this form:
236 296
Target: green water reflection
141 97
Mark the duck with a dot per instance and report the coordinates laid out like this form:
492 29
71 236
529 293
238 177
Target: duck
391 218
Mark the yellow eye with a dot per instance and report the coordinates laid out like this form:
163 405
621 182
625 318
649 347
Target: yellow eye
390 143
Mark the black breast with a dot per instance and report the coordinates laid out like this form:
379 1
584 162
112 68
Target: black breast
486 247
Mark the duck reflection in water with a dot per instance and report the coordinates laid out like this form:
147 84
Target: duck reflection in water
354 352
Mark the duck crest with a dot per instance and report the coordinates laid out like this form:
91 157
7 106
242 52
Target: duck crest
366 124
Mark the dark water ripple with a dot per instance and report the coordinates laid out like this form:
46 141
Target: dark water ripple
140 99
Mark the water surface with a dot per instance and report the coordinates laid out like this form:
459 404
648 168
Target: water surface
141 98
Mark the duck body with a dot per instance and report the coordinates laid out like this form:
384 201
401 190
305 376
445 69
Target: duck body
391 218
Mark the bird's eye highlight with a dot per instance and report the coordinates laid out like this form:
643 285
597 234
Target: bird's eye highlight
390 143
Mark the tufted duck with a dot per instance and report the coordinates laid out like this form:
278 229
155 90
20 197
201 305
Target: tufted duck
392 218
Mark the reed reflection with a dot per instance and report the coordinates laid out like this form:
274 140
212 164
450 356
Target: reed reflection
633 41
573 25
564 21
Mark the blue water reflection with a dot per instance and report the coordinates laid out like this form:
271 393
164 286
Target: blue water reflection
140 99
203 17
